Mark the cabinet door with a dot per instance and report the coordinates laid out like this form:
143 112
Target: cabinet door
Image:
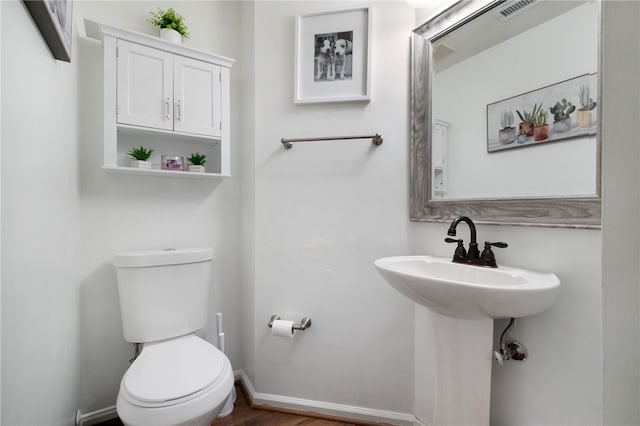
197 96
145 86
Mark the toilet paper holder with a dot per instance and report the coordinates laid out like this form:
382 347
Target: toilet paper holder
304 323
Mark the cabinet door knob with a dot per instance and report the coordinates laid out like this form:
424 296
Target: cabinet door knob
178 111
168 105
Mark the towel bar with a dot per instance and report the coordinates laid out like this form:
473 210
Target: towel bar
288 142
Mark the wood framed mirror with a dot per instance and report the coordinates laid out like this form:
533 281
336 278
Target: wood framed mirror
476 72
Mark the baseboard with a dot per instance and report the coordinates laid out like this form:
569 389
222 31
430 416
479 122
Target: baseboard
324 409
285 403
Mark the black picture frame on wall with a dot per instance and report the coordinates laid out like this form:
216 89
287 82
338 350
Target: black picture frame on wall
53 18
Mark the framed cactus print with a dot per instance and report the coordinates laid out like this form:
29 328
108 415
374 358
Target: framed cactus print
557 112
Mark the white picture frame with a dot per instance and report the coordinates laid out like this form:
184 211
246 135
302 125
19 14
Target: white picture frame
333 56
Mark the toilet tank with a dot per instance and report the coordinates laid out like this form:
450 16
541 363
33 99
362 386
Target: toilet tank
163 293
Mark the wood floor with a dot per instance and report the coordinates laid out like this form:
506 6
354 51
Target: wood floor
243 415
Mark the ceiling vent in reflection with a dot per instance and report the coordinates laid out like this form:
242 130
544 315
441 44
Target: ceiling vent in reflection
511 8
441 51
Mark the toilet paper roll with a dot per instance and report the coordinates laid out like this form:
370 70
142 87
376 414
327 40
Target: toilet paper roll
282 328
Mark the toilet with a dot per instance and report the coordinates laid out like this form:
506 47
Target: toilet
178 378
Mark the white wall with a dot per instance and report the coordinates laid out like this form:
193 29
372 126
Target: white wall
583 364
62 339
323 213
621 209
247 178
0 226
561 381
121 212
41 243
428 9
313 220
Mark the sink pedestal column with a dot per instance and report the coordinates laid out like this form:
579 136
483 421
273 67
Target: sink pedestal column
454 389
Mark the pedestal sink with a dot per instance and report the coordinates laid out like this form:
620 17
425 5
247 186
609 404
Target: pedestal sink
470 292
469 298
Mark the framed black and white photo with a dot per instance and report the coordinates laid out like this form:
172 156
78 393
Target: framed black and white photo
332 56
53 18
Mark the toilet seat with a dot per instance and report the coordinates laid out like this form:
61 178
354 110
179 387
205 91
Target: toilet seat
173 371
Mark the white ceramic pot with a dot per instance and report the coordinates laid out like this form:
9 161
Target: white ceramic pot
139 164
170 35
197 169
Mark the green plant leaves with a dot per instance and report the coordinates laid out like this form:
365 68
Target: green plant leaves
169 19
141 153
197 159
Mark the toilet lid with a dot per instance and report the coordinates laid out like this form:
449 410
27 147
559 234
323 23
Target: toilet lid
173 369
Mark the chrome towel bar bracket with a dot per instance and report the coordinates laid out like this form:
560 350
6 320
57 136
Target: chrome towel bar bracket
375 139
302 325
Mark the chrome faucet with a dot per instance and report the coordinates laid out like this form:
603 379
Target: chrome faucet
473 255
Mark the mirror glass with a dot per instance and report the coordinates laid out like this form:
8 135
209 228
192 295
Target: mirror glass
507 95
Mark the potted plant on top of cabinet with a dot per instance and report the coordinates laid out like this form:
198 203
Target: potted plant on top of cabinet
197 161
171 24
140 156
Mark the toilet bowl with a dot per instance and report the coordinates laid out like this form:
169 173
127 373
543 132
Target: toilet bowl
177 382
178 379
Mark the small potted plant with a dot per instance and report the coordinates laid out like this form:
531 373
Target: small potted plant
587 104
508 133
525 128
139 157
540 126
561 115
171 24
197 161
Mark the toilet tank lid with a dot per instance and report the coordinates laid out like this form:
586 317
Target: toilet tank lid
160 257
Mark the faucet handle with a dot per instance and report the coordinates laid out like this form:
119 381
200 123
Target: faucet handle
487 256
487 244
460 254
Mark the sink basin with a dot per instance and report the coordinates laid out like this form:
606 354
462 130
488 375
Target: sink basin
470 292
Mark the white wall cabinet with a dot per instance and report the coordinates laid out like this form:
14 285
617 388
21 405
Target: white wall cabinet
163 96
